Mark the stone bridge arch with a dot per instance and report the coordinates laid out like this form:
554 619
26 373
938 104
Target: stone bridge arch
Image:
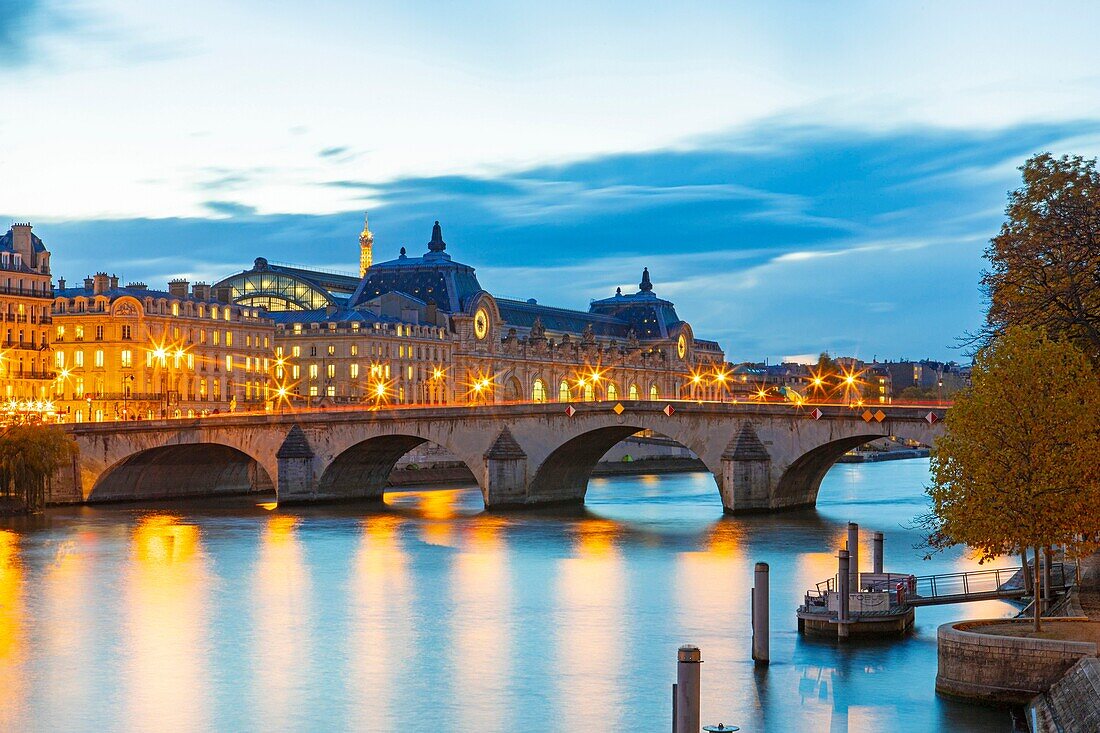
137 462
562 476
352 460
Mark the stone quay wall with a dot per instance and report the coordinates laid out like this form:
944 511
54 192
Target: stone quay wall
1001 669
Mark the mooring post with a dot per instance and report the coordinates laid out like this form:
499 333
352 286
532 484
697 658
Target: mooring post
673 707
688 659
878 558
853 554
843 590
760 630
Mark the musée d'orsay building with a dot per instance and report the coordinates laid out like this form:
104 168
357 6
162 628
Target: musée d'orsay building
421 329
411 330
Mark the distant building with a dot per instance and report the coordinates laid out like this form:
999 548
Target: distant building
135 353
423 330
26 292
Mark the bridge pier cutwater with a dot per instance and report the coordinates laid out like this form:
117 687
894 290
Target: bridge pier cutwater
764 457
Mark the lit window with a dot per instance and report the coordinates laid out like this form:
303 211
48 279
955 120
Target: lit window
563 391
228 362
538 391
354 371
127 358
78 358
312 371
99 358
612 392
330 371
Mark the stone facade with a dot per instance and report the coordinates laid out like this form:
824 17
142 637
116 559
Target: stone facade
26 292
125 353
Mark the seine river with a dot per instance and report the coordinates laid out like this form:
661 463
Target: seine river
430 615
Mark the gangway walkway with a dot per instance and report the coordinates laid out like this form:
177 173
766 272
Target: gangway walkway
972 585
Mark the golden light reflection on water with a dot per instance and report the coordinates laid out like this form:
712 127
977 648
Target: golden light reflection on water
282 610
381 608
165 603
482 594
66 611
437 507
11 628
589 621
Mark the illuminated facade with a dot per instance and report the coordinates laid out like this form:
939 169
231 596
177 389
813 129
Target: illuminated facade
26 293
424 329
135 353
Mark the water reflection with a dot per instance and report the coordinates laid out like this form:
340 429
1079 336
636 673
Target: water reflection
12 676
428 612
381 631
589 623
166 622
282 610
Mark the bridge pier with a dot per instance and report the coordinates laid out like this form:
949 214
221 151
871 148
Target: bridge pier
296 482
746 473
505 481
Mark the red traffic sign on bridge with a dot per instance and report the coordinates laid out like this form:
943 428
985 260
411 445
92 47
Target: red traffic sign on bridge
570 411
668 410
931 418
816 414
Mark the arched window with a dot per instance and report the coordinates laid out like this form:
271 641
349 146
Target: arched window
563 391
538 391
589 392
612 392
653 393
633 392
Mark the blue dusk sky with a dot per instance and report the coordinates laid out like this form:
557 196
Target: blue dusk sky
798 176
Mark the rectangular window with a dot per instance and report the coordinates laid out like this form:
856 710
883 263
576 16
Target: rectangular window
217 337
127 358
330 370
78 358
330 390
312 371
190 361
149 359
331 350
228 362
295 372
354 371
296 351
313 390
228 338
202 336
60 334
354 349
279 352
78 333
410 373
79 386
99 358
126 333
99 333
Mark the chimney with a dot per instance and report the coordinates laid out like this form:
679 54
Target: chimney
137 286
178 287
201 291
223 294
88 283
60 283
100 283
114 282
21 242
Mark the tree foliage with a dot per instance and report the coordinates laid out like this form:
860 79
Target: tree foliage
1019 463
1045 263
29 457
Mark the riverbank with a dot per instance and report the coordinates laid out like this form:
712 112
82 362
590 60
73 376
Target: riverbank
898 454
10 507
